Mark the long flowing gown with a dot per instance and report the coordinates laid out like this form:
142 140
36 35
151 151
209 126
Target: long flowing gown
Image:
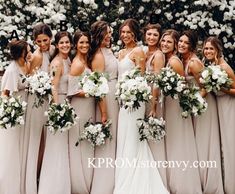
158 148
180 147
108 151
226 110
55 171
206 129
12 151
35 125
140 178
81 173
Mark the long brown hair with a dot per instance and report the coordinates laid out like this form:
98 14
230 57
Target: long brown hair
58 36
18 48
41 29
193 39
98 32
134 27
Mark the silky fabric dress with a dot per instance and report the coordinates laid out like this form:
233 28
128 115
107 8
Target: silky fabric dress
35 125
139 178
158 148
103 180
226 111
12 152
180 146
55 172
80 171
206 129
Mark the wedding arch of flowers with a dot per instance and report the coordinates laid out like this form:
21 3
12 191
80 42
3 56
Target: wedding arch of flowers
207 17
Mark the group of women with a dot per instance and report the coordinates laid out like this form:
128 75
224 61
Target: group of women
33 160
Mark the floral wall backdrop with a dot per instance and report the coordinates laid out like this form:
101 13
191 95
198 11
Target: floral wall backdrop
207 17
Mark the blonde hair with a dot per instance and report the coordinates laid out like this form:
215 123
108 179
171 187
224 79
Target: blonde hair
174 34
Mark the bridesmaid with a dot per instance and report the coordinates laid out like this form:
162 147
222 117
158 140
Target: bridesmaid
212 51
81 174
103 60
55 172
35 118
206 126
12 171
155 60
180 141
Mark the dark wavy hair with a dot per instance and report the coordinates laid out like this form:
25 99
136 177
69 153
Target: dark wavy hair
58 36
98 32
41 29
134 27
150 26
17 49
193 39
78 34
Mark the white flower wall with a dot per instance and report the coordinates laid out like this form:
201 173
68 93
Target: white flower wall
207 17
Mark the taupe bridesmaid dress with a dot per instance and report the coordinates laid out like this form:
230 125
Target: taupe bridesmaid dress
158 148
226 110
35 125
180 146
12 149
206 129
55 172
103 179
81 174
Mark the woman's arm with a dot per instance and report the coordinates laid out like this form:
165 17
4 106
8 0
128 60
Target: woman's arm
139 58
177 66
76 70
158 64
196 67
36 61
56 72
98 64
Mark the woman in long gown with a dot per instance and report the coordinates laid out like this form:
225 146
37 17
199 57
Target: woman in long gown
55 172
206 126
103 60
35 117
212 51
81 173
12 153
133 179
180 141
155 60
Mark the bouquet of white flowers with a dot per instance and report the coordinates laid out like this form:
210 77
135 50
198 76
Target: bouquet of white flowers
192 102
39 84
96 133
170 82
61 117
132 89
214 78
95 84
11 112
151 128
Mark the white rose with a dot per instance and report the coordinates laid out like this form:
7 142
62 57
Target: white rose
205 73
